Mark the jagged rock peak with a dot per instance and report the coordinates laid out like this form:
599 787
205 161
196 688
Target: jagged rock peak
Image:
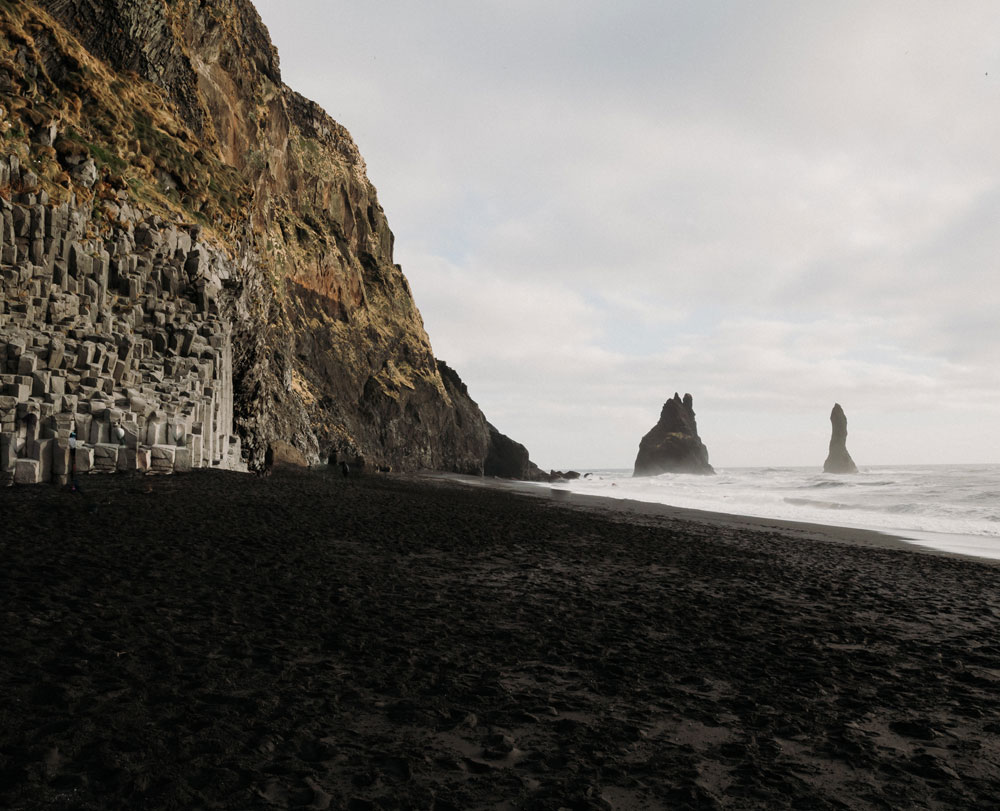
839 460
673 444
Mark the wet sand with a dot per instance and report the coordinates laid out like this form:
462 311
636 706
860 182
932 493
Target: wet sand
305 641
652 513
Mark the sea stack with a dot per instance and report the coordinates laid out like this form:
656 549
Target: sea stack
839 460
673 444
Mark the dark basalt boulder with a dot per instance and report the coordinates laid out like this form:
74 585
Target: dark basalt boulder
673 444
839 460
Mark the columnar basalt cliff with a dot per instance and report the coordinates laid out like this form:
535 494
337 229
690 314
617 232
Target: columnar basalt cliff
193 262
839 460
673 444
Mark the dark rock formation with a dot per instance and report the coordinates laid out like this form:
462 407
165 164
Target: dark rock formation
839 460
507 459
673 444
281 454
177 186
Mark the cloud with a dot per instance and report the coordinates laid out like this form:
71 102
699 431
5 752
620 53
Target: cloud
771 205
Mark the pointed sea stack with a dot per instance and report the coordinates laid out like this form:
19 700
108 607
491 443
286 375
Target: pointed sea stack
839 460
673 444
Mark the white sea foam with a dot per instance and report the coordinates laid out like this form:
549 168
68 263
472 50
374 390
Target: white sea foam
951 507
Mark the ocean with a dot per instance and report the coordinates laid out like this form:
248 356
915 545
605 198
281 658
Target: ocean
954 508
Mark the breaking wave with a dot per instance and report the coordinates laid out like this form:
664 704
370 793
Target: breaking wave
910 501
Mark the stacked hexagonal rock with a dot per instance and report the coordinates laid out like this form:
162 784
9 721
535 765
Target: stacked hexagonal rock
118 339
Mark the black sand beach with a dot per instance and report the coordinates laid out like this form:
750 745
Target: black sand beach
305 641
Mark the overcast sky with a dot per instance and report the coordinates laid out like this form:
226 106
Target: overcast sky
774 206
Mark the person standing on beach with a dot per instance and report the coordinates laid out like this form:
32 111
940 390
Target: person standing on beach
72 461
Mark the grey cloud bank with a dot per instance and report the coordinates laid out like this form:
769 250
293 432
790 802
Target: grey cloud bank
774 206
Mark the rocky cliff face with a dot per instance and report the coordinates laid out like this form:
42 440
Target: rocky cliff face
205 247
839 460
673 444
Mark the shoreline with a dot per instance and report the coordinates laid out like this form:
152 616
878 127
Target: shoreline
634 509
304 640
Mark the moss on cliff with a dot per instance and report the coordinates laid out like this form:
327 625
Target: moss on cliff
124 124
